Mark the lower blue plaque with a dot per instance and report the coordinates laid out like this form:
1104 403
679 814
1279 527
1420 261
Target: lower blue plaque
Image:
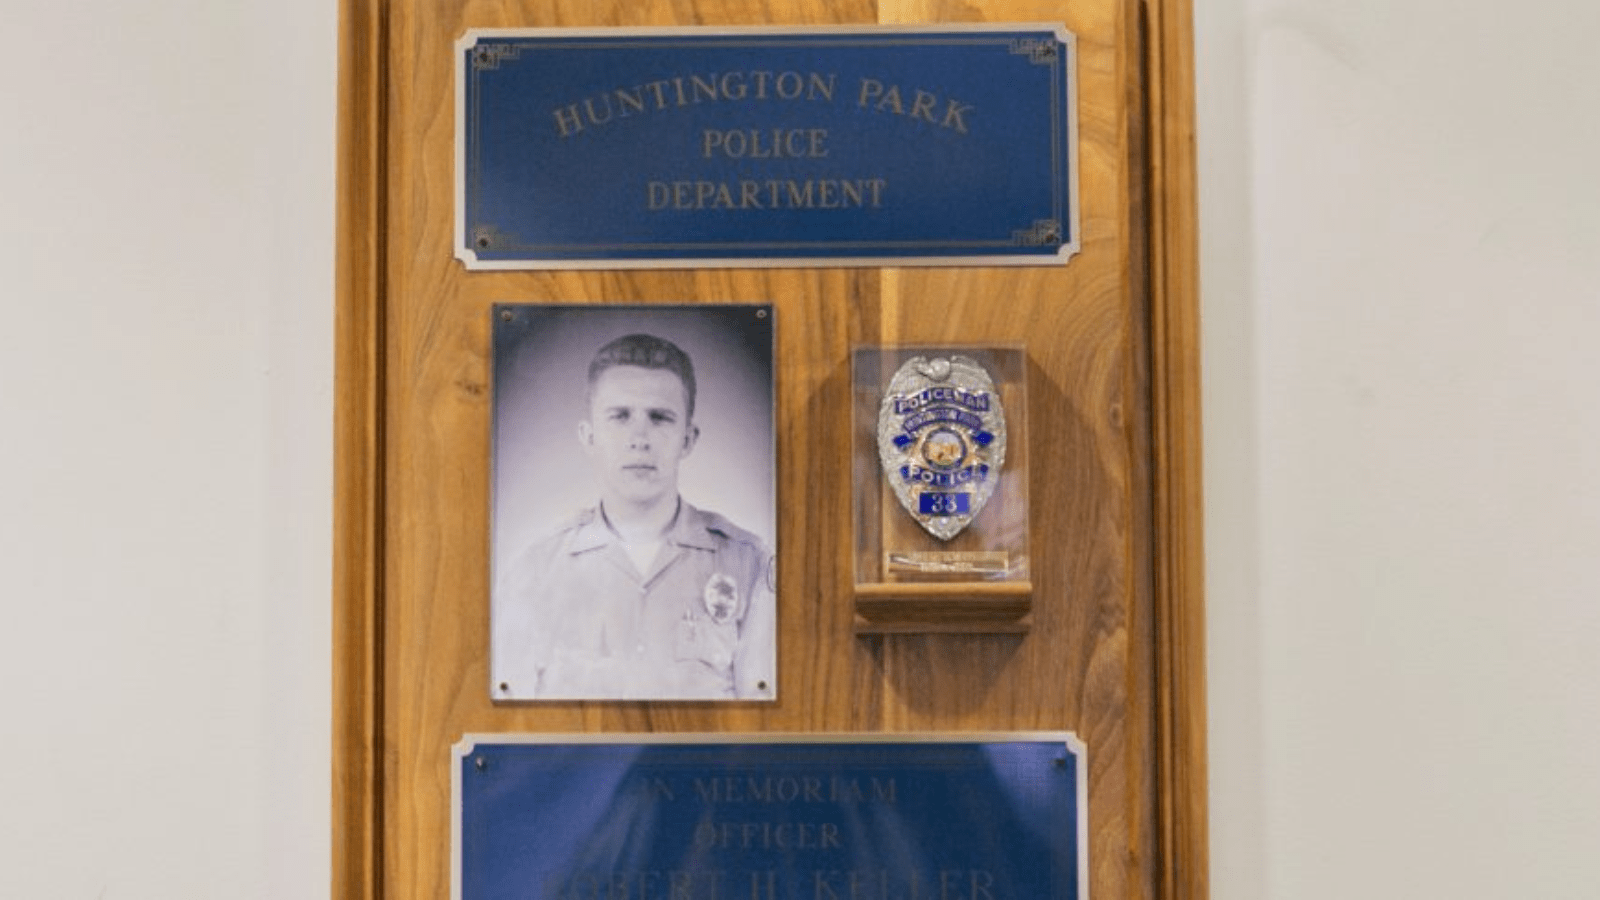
714 817
615 148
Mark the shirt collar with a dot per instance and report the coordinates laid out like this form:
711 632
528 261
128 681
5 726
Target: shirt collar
688 529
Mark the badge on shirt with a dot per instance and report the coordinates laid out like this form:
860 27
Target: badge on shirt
942 440
721 598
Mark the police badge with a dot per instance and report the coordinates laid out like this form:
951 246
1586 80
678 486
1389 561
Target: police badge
721 598
942 440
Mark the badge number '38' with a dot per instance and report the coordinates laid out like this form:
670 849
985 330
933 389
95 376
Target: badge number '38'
942 440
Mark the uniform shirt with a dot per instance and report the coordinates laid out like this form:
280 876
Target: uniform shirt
576 619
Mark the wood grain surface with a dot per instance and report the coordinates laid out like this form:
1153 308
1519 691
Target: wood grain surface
1112 647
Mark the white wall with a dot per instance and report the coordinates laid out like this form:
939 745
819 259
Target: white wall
1402 252
166 190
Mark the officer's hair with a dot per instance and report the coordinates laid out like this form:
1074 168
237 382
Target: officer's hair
649 352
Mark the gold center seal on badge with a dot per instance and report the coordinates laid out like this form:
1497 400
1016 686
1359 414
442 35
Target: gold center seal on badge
942 441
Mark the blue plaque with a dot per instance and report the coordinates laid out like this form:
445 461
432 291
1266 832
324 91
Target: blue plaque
673 817
622 148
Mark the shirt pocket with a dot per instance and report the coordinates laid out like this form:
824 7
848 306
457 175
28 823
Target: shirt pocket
700 640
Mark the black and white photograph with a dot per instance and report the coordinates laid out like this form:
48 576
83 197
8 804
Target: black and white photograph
633 515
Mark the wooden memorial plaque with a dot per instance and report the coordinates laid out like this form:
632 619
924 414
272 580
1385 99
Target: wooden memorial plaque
1082 616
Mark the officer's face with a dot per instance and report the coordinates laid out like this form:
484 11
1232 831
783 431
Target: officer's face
637 433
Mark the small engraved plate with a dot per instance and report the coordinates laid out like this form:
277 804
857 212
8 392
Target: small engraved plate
966 564
942 441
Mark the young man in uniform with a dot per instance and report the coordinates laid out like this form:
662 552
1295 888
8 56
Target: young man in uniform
641 596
